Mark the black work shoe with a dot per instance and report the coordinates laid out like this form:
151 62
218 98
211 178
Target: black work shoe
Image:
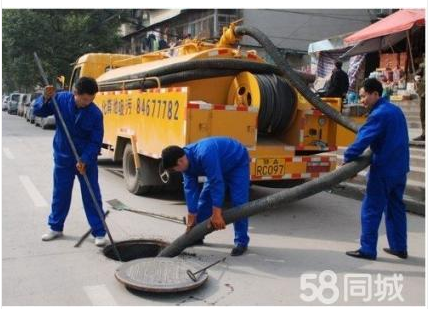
199 242
400 254
419 138
359 255
238 250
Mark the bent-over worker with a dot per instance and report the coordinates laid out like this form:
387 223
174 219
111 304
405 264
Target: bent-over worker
225 163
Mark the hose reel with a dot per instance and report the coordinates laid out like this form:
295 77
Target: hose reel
274 98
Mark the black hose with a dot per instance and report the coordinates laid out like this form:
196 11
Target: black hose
277 200
288 195
214 63
277 104
169 79
202 68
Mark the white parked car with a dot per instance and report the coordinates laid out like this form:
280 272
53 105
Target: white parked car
45 122
21 103
5 103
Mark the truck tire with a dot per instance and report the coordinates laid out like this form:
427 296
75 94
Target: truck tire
133 183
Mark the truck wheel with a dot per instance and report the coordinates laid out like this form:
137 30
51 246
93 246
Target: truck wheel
133 184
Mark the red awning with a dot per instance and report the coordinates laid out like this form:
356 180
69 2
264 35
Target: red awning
401 20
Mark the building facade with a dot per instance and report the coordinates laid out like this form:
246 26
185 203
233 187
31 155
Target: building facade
290 30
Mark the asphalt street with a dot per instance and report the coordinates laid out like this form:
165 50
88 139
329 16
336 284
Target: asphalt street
305 237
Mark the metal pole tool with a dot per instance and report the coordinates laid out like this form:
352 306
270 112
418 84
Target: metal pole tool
84 236
76 156
192 275
118 205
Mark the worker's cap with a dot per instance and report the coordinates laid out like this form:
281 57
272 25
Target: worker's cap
170 156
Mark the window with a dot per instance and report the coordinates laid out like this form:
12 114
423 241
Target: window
75 77
15 97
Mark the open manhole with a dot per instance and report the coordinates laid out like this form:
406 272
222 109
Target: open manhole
135 249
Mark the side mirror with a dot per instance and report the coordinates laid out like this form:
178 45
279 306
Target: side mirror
61 80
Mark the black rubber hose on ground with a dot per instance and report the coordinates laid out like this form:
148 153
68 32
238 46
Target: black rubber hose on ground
280 199
285 196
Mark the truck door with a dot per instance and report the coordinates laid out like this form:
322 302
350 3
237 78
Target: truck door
75 77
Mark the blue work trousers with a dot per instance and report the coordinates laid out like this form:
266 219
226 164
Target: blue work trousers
63 187
238 184
384 195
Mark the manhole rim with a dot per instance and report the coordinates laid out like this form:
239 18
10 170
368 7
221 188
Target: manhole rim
109 248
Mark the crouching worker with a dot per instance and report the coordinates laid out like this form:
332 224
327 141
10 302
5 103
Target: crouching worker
225 164
84 121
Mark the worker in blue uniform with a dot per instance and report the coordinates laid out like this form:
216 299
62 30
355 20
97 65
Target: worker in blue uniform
385 131
225 164
84 121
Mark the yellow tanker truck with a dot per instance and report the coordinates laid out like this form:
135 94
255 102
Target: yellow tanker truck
199 89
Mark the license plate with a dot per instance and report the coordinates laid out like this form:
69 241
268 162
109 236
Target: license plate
270 167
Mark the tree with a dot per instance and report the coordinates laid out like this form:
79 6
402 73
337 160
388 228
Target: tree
58 36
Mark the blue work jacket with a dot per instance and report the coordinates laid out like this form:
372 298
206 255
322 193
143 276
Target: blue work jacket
385 131
84 124
215 158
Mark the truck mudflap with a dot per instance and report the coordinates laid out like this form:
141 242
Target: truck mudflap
297 167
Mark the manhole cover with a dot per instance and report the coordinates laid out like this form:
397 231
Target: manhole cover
135 249
159 275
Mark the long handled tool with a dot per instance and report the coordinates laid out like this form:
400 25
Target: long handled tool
84 236
118 205
76 156
192 275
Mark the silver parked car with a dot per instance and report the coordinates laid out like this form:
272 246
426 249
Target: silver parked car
44 122
12 107
28 108
5 103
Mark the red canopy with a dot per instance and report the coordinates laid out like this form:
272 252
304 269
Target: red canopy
401 20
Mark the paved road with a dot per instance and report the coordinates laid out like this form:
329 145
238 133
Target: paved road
308 236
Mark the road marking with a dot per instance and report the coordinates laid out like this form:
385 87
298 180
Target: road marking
274 261
99 295
38 199
8 153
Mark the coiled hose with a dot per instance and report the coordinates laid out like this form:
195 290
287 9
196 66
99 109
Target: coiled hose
277 106
293 79
286 196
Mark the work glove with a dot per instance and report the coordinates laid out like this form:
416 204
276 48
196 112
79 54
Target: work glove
216 220
191 222
48 92
81 167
